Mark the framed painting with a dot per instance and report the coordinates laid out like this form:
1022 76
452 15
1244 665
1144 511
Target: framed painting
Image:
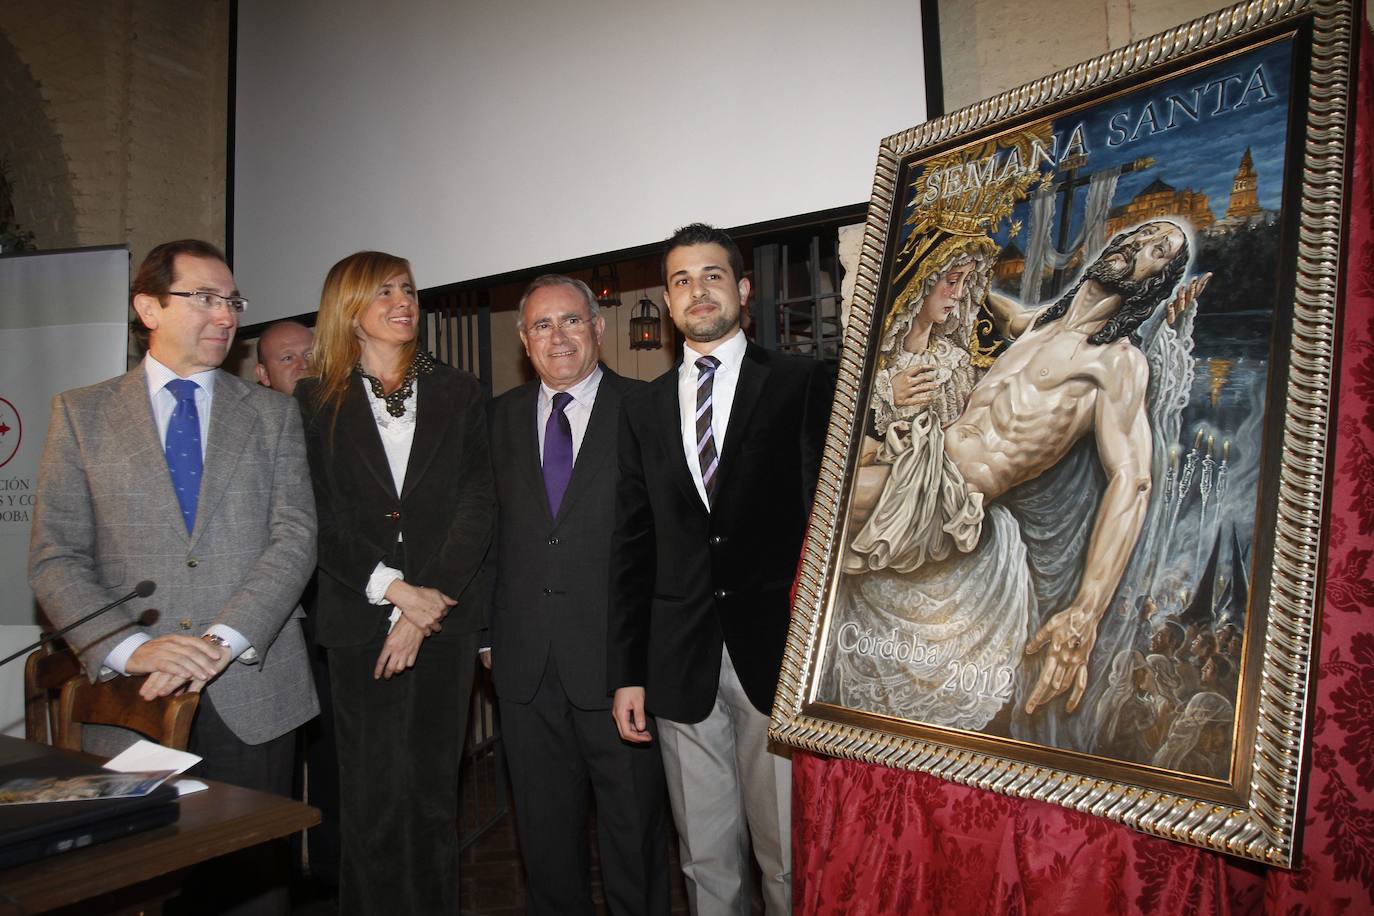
1065 542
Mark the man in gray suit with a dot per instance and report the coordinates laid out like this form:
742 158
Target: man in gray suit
180 473
554 445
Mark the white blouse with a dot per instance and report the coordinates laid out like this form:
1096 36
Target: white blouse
397 434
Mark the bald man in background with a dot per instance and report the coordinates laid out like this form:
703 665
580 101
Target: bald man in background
284 355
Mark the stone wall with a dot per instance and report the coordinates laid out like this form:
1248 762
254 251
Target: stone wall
113 119
989 46
31 155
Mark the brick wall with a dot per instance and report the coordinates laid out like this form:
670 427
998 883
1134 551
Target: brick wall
32 155
134 96
989 46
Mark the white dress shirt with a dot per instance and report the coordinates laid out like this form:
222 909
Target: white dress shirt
398 434
731 356
578 411
164 403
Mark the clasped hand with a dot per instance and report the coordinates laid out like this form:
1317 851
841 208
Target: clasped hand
424 607
176 661
399 651
422 610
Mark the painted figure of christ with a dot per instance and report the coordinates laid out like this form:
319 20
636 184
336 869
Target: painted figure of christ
1074 368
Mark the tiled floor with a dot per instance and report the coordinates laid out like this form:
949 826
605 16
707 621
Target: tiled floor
489 873
489 876
490 881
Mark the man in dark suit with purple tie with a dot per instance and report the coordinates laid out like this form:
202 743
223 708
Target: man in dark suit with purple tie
554 451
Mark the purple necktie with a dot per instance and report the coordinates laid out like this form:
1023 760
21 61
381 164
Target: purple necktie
558 452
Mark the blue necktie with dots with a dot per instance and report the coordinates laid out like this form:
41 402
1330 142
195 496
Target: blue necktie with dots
183 448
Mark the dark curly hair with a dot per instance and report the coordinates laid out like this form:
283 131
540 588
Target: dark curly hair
1139 298
702 234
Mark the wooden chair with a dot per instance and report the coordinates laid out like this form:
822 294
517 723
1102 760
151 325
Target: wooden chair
116 702
45 671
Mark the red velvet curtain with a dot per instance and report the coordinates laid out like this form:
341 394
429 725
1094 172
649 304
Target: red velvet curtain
868 839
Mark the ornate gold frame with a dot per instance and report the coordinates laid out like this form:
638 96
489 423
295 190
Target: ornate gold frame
1264 825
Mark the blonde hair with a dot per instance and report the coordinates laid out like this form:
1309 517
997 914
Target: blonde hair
349 287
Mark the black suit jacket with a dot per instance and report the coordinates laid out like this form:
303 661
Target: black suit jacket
550 595
445 510
684 581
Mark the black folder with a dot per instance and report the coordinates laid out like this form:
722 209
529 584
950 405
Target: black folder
29 832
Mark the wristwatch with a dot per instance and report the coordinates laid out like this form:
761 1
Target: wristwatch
248 656
217 640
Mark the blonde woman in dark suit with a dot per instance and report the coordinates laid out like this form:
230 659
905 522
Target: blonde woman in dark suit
399 456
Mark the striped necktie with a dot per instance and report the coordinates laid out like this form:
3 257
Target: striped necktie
706 440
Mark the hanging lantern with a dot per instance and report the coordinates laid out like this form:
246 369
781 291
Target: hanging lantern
606 285
646 327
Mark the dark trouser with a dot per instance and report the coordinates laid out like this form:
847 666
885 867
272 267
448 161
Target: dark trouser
318 779
400 742
557 755
253 880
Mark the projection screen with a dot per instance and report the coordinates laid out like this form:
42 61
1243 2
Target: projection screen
477 138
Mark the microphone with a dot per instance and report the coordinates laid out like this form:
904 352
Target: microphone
141 590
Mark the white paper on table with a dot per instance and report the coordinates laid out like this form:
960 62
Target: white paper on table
189 786
145 756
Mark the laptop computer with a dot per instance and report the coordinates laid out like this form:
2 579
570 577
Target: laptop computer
33 831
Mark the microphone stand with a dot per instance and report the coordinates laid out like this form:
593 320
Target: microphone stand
141 590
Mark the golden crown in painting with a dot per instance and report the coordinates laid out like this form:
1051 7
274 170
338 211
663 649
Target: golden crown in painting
958 203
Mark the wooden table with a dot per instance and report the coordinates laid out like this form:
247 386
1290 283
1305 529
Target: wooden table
143 868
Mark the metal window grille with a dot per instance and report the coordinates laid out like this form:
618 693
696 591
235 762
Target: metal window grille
482 782
797 296
455 326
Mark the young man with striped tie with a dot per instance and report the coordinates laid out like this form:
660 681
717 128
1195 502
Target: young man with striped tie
718 463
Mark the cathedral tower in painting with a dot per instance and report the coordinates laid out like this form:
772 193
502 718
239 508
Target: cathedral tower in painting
1244 191
1244 210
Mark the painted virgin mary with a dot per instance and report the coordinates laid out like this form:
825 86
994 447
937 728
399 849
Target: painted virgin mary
923 378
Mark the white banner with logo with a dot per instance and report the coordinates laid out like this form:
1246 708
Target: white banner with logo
63 324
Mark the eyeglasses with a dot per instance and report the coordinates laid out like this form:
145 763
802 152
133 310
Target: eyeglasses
568 325
210 301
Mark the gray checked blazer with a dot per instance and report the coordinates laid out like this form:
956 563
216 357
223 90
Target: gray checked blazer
107 518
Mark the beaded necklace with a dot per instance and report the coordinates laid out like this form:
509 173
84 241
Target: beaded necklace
422 364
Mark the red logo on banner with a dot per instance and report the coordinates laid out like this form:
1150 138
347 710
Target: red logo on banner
11 432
